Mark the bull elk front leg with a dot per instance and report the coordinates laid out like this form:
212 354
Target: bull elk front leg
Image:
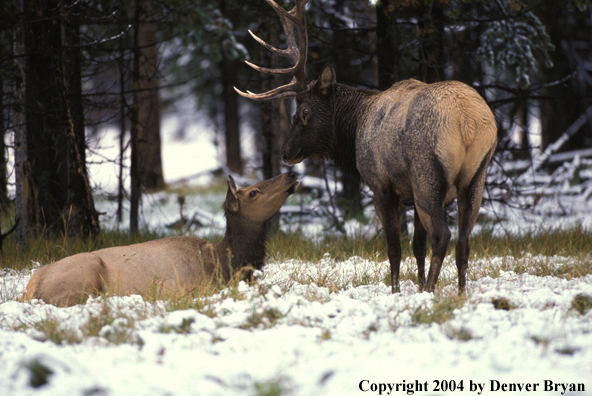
386 203
420 237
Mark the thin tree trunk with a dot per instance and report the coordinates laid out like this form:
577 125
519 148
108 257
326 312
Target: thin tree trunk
134 129
22 166
232 139
433 43
465 65
122 116
48 139
385 46
147 90
3 173
271 112
395 57
80 200
271 133
234 159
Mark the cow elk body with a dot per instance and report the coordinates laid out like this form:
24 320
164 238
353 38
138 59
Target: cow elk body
425 143
175 265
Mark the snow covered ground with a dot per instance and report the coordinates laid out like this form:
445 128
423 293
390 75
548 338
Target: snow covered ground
310 328
304 339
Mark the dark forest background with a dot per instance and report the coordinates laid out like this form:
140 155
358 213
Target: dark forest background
69 67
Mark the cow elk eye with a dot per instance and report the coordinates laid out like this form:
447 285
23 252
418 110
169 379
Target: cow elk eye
305 112
253 193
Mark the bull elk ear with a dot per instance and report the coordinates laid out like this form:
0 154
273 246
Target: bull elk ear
326 79
231 197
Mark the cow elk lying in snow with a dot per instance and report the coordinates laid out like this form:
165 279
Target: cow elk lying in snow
175 265
425 143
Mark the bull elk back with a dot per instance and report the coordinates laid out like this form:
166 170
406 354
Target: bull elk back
425 143
175 265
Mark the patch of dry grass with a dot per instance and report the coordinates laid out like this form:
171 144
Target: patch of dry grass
332 263
533 253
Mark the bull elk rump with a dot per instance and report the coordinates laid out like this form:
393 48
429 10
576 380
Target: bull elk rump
426 143
171 266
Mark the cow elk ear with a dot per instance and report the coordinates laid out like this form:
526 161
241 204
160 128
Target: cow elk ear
326 80
231 197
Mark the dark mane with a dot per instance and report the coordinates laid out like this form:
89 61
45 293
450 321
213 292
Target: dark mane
347 104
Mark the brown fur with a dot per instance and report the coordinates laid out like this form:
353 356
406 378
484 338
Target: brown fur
175 265
415 142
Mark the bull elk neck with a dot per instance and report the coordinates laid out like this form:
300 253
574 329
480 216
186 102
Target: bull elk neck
171 266
422 143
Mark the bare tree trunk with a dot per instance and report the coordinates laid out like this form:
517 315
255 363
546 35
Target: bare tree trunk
53 190
271 111
84 218
122 117
135 127
432 43
22 166
48 140
273 114
147 90
385 18
393 63
3 173
4 202
466 66
232 138
234 159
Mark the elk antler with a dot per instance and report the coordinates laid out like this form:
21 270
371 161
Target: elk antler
290 19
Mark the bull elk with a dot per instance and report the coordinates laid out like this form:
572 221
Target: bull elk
175 265
426 143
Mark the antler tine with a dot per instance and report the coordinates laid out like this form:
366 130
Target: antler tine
270 47
288 70
283 92
294 18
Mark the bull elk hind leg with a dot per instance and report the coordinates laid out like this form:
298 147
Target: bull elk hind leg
440 234
430 190
420 236
386 203
469 201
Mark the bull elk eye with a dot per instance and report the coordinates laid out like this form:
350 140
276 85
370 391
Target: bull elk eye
253 193
305 113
